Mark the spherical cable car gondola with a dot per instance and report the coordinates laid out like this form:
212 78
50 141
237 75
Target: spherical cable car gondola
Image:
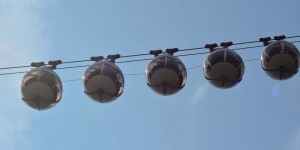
223 68
104 80
280 59
166 74
41 87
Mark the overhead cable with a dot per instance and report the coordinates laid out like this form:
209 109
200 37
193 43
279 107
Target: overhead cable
142 73
145 54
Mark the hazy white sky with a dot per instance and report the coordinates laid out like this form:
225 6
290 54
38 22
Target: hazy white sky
260 113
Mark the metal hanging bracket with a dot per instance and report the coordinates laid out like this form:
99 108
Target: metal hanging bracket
265 40
171 51
37 64
54 63
96 58
211 47
113 58
155 52
281 37
226 44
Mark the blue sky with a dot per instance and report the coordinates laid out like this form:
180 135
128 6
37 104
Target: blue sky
260 113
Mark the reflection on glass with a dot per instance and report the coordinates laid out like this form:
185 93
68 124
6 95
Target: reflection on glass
280 60
166 74
41 88
103 81
223 68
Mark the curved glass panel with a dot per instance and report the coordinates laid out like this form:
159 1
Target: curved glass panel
223 68
41 88
166 74
280 60
103 81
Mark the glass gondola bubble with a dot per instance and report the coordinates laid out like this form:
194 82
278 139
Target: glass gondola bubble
223 68
280 60
166 74
41 88
103 81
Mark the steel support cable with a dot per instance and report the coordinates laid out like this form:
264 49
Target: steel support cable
291 37
75 61
183 55
137 74
241 43
136 60
134 55
87 60
251 42
11 73
146 54
249 47
81 66
17 67
236 49
192 49
67 62
295 42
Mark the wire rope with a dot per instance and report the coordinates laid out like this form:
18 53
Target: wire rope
135 60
